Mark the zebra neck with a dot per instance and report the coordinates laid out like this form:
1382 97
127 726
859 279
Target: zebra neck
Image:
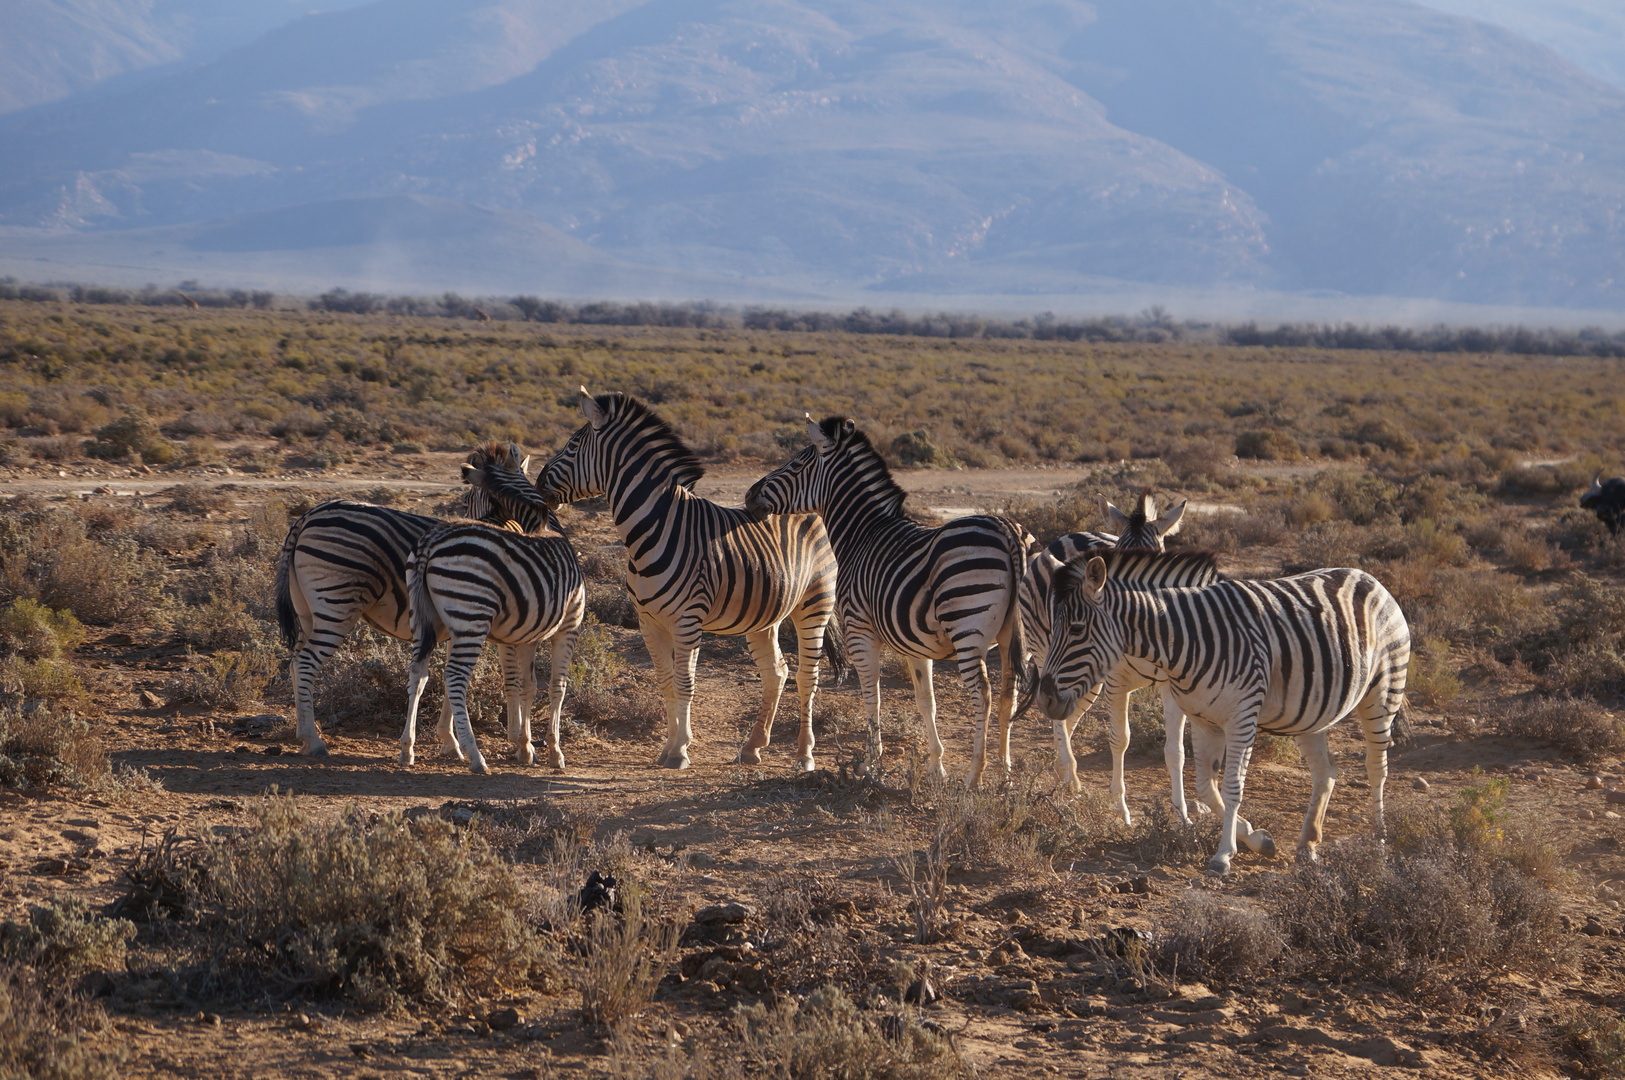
859 509
643 514
1148 631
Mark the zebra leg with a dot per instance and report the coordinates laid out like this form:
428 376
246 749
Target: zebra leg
1117 737
1376 712
764 646
1323 777
925 700
519 691
865 657
448 738
1207 748
564 650
684 658
809 651
1066 763
459 669
417 678
973 672
658 642
1173 751
1238 752
319 643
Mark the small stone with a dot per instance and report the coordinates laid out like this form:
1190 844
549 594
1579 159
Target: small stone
730 912
1610 815
504 1019
1617 796
272 751
700 858
921 992
1593 929
1420 784
1587 815
150 700
1141 886
1593 782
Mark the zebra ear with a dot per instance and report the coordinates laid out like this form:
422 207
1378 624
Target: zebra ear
1094 578
591 410
524 466
1116 520
1168 523
849 426
468 473
816 434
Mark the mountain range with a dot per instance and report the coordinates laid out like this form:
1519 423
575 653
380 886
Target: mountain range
775 149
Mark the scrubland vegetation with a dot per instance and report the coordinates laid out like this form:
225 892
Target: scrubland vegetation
1450 476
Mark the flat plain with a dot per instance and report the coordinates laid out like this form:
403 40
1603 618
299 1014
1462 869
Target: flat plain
190 896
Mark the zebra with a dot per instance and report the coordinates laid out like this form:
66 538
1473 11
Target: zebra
695 566
926 593
1290 656
469 582
343 562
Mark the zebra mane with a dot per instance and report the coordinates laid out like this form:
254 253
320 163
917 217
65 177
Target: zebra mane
878 482
513 500
1142 511
1153 569
656 434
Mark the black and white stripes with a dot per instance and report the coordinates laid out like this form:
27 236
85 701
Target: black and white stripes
694 566
1291 656
469 582
926 593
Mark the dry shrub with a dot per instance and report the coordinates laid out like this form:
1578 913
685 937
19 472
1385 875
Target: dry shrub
199 499
1575 725
1073 511
377 909
925 875
610 603
55 682
49 557
175 537
1428 541
263 531
1211 532
1425 916
362 687
1432 679
1160 837
1530 554
230 680
64 939
595 665
36 632
1311 509
1596 1042
44 748
626 955
827 1037
630 713
220 623
1279 748
1215 940
1579 649
44 1032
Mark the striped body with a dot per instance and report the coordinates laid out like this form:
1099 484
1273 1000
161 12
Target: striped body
926 593
470 582
694 566
342 563
1291 656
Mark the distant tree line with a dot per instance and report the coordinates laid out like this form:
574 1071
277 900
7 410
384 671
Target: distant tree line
1150 326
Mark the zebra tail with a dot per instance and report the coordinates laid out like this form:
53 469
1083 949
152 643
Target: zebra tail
835 649
1402 732
287 616
1026 674
424 636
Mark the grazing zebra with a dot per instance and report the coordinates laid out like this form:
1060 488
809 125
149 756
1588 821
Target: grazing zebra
928 594
1290 656
469 582
695 566
344 562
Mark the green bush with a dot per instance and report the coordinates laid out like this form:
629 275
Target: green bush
37 632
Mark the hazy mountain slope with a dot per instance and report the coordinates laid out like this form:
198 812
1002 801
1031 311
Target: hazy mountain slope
1378 147
1395 150
52 48
1588 33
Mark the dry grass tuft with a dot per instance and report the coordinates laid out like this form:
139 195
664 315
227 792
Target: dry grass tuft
1576 725
1216 940
42 748
826 1037
626 955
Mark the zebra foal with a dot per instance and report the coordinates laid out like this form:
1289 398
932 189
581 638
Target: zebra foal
694 566
470 582
928 594
1290 656
345 562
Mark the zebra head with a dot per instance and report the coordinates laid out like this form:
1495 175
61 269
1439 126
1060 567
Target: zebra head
1142 529
623 444
838 471
501 492
492 457
797 487
1085 643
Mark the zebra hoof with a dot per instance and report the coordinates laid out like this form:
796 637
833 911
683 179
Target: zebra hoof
805 764
317 749
750 755
478 765
525 755
451 750
408 758
555 758
676 761
1261 843
1219 866
1203 808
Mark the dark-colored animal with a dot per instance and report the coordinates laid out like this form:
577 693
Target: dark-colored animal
694 566
1607 501
927 594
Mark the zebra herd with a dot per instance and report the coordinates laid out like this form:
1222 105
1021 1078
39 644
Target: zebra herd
825 534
